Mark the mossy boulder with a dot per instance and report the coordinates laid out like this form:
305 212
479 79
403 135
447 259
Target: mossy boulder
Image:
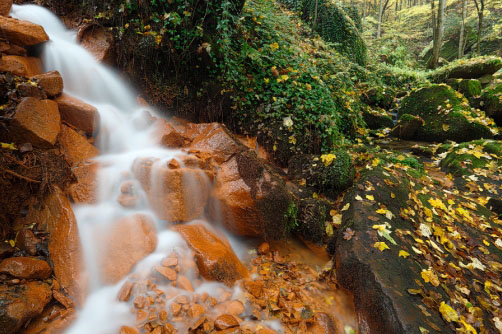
377 119
378 97
467 69
407 126
447 115
470 88
462 159
492 101
329 173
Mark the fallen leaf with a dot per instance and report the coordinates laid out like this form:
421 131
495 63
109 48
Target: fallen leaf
430 277
348 234
448 313
381 246
403 253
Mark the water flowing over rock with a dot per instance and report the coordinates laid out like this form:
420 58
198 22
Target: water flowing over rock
36 122
84 190
123 244
214 256
22 33
21 303
76 147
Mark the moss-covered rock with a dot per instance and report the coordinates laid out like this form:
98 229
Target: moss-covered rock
407 126
492 101
462 159
377 119
329 173
467 69
378 97
447 115
470 88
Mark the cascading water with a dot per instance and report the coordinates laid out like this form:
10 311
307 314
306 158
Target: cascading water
125 141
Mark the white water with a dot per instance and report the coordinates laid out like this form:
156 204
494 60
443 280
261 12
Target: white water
121 143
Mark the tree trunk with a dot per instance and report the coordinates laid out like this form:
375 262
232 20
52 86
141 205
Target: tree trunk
461 42
438 36
480 7
315 15
380 14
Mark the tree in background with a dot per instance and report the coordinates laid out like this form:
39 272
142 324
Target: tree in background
461 41
438 30
480 7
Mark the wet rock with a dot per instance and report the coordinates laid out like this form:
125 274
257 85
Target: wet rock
266 331
184 283
125 291
27 89
234 330
51 82
250 198
97 40
176 195
75 147
167 273
22 66
214 256
62 299
55 215
225 321
128 330
123 244
26 267
407 126
12 49
22 33
27 241
5 6
53 320
264 248
37 122
323 324
81 115
21 303
84 190
167 135
216 140
6 250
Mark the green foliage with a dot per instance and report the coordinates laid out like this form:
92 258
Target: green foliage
293 92
462 158
290 215
466 69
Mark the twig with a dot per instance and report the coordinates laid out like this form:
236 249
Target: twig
20 176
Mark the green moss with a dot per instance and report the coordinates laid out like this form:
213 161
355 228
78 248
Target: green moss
311 220
447 115
492 101
461 158
466 69
377 119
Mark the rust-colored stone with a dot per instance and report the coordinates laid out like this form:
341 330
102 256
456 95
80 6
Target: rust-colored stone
12 49
84 190
22 66
75 147
81 115
184 283
167 272
36 122
218 142
62 299
22 33
177 195
215 258
21 303
225 321
51 83
97 40
195 311
53 320
123 244
5 6
128 330
26 267
167 135
125 291
255 288
264 248
27 241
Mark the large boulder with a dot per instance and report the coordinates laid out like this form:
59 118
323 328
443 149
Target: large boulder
26 267
22 33
213 254
470 88
215 140
467 69
97 40
84 190
20 303
75 147
51 83
250 198
492 101
447 115
123 244
37 122
23 66
81 115
175 193
55 215
5 6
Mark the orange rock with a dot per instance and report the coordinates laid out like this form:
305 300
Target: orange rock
62 299
5 6
56 216
123 244
167 272
266 331
26 267
12 49
53 320
81 115
84 190
128 330
139 302
21 303
27 241
51 82
323 324
175 308
250 198
167 135
217 141
129 196
169 262
177 195
125 291
75 147
255 288
264 248
22 33
184 283
225 321
233 330
195 311
215 258
22 66
36 122
97 40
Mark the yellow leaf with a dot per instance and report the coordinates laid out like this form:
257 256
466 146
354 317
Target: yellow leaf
292 140
314 195
337 220
486 242
9 146
375 162
12 243
381 227
329 230
274 46
327 159
446 127
381 246
392 195
403 253
309 87
448 313
370 197
358 198
346 207
430 277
